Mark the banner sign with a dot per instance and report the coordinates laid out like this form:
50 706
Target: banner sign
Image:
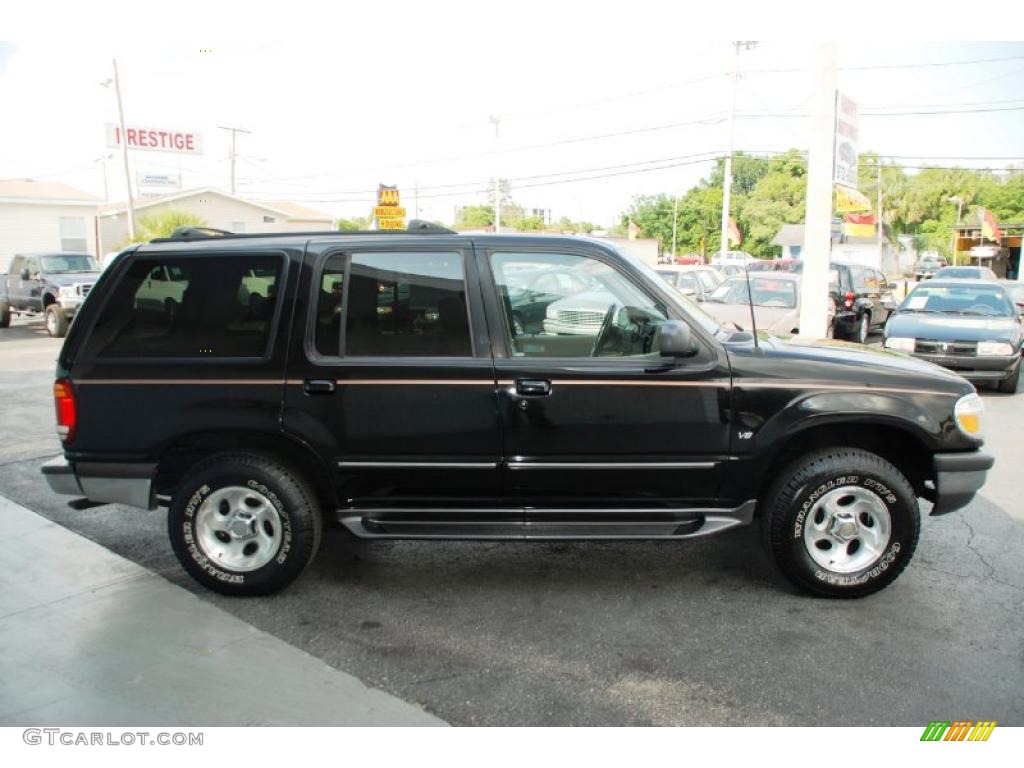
157 180
156 139
849 200
388 213
845 153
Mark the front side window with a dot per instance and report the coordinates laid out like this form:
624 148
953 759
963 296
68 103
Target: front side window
206 306
592 310
406 305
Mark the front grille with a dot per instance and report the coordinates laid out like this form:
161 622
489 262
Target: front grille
947 348
580 317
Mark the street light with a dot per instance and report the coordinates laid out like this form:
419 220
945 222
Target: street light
496 121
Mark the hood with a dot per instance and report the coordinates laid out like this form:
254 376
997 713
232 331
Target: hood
950 327
846 362
70 278
775 319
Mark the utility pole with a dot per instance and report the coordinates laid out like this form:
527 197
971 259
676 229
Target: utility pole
675 217
878 208
124 153
496 120
727 180
234 134
818 229
959 210
102 160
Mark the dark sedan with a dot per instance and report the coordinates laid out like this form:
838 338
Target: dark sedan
969 326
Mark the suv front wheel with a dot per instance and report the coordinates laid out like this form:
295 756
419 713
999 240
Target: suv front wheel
841 522
244 524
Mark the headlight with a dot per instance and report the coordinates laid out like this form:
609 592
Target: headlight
900 343
66 291
997 348
967 413
551 313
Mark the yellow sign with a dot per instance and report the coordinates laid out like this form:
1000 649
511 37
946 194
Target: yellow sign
390 224
387 195
849 200
389 212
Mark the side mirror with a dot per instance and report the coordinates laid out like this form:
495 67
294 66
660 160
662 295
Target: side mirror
25 275
677 340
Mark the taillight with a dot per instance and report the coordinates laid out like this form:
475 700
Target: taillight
67 409
848 299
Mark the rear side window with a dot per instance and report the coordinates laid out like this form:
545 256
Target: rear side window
393 305
200 306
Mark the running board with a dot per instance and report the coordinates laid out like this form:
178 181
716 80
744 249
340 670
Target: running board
543 524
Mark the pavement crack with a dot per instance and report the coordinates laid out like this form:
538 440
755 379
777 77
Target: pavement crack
981 558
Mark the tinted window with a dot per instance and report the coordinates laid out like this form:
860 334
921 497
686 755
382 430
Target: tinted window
598 313
407 304
207 306
327 329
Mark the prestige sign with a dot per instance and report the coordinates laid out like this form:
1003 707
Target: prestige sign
156 139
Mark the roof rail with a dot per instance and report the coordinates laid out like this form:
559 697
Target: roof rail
184 234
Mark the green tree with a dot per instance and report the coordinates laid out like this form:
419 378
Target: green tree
162 224
355 224
474 216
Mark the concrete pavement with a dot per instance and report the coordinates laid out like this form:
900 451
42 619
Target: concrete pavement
90 638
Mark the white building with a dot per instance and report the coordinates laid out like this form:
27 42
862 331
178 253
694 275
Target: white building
217 209
45 216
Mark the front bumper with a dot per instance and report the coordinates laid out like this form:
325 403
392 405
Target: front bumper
106 483
958 476
70 304
989 368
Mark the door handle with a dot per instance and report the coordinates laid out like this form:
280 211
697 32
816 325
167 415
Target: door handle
533 387
318 386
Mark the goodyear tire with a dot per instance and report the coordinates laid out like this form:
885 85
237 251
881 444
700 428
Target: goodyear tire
841 522
244 524
5 314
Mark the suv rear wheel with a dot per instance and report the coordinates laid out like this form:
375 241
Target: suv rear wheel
841 522
863 329
244 524
5 314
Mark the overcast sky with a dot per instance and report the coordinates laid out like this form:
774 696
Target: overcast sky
405 98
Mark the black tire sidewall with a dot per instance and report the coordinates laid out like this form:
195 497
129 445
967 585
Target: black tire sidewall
815 478
295 507
863 329
60 321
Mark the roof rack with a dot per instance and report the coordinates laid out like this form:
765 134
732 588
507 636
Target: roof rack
185 234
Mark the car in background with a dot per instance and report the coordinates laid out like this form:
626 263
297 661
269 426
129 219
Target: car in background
1016 290
50 285
727 270
695 282
861 299
966 273
928 265
972 327
776 303
531 292
689 259
732 257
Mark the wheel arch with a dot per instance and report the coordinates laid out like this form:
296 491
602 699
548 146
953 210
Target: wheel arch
186 450
894 440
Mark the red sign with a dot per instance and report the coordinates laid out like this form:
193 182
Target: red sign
156 139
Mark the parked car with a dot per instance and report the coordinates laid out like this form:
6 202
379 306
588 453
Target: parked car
689 259
695 282
727 270
51 285
970 326
1016 290
861 300
928 265
967 272
384 385
776 303
739 258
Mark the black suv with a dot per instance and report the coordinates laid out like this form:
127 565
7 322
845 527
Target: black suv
862 299
260 385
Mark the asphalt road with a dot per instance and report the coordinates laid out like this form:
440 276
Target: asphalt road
695 633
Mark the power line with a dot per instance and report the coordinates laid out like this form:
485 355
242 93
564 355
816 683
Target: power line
875 67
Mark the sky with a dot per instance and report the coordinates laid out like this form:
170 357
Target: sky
586 99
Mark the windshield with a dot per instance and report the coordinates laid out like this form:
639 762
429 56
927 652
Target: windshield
767 292
69 262
672 278
689 306
987 300
962 272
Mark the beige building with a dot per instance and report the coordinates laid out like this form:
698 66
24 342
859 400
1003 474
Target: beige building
217 209
45 216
